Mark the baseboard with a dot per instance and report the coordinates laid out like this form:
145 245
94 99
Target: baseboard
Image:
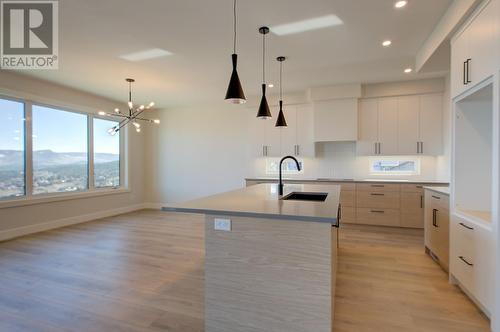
25 230
153 206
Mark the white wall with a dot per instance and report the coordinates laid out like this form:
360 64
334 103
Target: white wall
197 151
22 219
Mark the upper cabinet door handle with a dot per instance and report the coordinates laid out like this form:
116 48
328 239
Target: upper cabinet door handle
465 73
468 70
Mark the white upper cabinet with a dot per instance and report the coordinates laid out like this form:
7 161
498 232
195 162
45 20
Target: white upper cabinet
266 140
474 50
431 124
368 127
388 126
408 124
405 125
272 135
336 120
305 131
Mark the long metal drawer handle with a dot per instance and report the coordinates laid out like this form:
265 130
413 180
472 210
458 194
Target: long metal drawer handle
377 211
377 194
377 185
465 261
464 225
436 197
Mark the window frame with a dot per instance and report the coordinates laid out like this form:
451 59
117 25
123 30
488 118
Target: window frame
25 146
91 191
416 160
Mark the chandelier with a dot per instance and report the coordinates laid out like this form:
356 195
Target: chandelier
130 116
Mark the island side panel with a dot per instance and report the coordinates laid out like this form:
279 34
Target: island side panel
268 275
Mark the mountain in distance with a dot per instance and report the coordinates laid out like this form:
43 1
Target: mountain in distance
12 159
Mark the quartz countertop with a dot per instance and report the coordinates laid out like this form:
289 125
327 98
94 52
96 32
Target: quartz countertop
440 190
319 180
263 201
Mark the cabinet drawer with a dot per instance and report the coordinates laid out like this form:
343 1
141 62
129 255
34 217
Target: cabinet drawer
348 198
439 201
377 199
412 188
471 261
348 215
377 187
384 217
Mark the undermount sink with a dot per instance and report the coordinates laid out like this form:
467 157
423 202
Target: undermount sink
305 196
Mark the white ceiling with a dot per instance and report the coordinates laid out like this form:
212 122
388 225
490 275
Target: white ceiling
94 33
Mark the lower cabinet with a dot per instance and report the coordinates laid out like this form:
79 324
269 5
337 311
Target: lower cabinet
472 263
376 203
437 227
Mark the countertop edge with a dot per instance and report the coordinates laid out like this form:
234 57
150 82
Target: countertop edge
251 214
437 190
352 181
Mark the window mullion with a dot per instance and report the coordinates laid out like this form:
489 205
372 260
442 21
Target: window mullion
90 135
28 148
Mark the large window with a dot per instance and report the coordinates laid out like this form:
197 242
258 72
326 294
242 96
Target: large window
106 155
12 165
46 150
60 151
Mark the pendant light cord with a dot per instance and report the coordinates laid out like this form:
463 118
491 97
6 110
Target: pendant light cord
234 26
129 91
281 85
263 58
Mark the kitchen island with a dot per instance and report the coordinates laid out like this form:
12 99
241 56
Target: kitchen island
270 263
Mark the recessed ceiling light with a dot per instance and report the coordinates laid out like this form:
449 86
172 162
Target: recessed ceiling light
400 4
270 85
306 25
408 70
386 43
146 54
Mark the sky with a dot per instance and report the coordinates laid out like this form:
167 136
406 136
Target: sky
55 130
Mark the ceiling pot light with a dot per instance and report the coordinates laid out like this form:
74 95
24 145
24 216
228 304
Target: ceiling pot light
270 86
281 121
400 4
264 112
386 43
234 93
408 70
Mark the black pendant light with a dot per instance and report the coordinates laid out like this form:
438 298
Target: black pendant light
234 93
281 122
264 112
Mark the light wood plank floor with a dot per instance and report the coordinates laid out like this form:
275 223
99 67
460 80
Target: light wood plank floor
143 271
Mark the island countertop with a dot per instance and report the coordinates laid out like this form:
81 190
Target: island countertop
263 201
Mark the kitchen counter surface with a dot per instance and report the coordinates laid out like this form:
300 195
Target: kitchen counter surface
440 190
319 180
262 201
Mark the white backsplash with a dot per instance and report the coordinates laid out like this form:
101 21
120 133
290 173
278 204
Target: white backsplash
338 160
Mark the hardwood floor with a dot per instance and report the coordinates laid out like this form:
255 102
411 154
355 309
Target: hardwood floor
143 271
